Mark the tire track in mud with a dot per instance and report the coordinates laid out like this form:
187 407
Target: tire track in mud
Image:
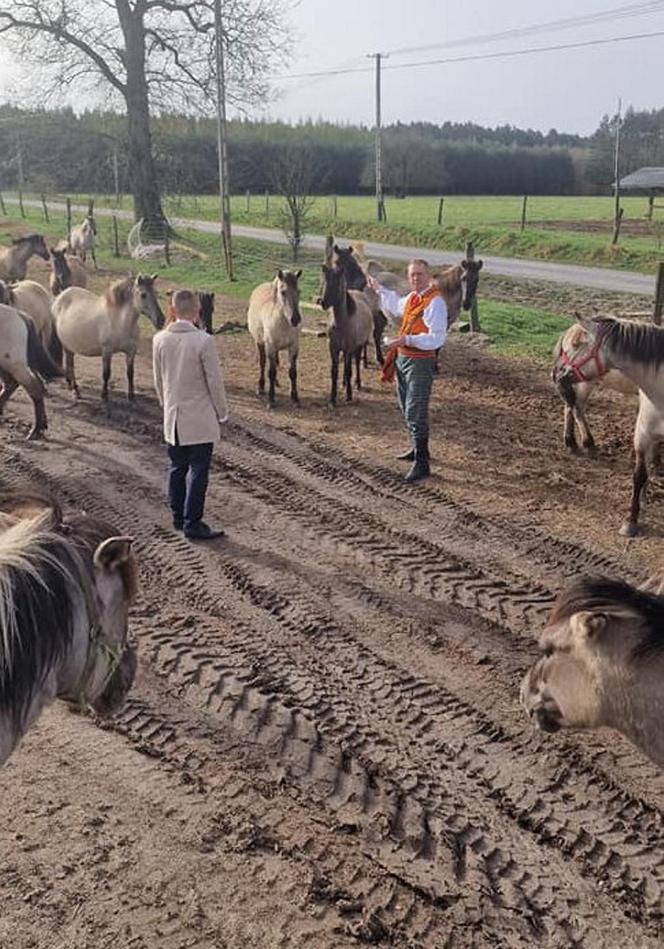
604 862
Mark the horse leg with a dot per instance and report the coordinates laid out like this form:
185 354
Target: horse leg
348 376
130 357
292 374
9 387
105 375
582 392
639 479
569 432
36 390
436 364
272 376
358 357
334 373
261 370
364 352
94 257
379 325
69 374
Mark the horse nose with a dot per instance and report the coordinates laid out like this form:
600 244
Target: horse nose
296 319
546 718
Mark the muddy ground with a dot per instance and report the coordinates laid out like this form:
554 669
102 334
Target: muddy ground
324 747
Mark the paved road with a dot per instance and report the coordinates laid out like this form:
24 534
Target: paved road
596 278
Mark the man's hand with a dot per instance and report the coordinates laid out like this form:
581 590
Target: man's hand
373 283
397 341
222 421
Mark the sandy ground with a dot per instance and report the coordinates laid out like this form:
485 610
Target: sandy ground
324 746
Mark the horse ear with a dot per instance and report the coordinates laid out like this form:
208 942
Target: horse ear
324 268
480 264
589 625
298 274
280 274
113 552
154 277
464 264
350 249
335 248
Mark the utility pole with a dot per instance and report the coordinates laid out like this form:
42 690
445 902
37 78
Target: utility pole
380 207
616 171
116 175
222 151
19 162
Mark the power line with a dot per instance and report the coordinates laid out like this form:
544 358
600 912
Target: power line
587 19
476 57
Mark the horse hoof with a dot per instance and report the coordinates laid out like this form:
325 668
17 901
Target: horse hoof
35 434
629 529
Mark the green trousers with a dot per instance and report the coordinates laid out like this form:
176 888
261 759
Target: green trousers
414 382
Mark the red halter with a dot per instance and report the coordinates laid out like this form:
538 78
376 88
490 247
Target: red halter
576 365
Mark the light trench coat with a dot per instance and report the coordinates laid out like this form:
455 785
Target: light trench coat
189 384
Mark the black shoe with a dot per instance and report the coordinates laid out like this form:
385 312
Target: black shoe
420 467
201 531
407 455
178 524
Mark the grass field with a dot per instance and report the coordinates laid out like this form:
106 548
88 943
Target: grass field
515 330
572 229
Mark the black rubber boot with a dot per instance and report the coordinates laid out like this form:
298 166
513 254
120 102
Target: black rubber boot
420 467
407 455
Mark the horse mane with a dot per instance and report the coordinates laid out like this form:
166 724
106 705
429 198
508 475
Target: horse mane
40 596
449 279
120 292
642 342
604 595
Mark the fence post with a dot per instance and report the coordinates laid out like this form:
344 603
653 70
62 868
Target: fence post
2 205
20 202
334 205
659 296
523 212
167 246
43 201
382 212
651 202
474 313
248 195
616 226
329 244
91 206
267 203
68 218
116 242
440 211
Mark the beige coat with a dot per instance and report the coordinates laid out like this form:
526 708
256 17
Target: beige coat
189 384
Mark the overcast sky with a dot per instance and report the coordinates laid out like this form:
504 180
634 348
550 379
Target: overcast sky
566 89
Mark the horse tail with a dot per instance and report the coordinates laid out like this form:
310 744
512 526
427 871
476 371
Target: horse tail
55 348
39 359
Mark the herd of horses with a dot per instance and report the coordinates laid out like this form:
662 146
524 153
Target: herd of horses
66 582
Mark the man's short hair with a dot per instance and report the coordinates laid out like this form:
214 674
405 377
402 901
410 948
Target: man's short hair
420 261
184 302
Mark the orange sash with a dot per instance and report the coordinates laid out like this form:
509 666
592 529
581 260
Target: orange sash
412 313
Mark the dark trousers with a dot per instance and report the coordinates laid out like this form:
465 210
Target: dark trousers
414 382
188 481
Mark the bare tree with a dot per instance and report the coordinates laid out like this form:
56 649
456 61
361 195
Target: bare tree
293 178
150 55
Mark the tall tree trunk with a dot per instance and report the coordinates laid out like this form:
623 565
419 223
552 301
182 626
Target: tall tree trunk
143 177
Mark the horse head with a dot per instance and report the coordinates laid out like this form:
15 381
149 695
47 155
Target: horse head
471 279
61 268
145 299
335 287
6 294
345 259
36 243
288 295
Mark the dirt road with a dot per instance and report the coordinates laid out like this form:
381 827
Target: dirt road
325 747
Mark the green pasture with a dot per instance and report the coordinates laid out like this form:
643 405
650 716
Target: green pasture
492 223
514 330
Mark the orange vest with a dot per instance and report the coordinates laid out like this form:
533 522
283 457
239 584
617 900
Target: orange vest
413 322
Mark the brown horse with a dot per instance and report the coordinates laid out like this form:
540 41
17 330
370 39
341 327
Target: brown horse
14 259
637 350
349 329
356 279
602 663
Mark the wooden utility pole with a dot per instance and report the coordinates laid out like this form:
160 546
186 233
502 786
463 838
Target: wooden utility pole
380 206
116 175
616 171
222 149
21 178
523 212
474 318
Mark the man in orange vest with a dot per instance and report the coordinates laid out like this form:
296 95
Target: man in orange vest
423 329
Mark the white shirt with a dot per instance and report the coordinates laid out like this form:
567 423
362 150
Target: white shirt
434 316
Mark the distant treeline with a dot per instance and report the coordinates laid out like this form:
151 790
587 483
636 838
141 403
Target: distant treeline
64 152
